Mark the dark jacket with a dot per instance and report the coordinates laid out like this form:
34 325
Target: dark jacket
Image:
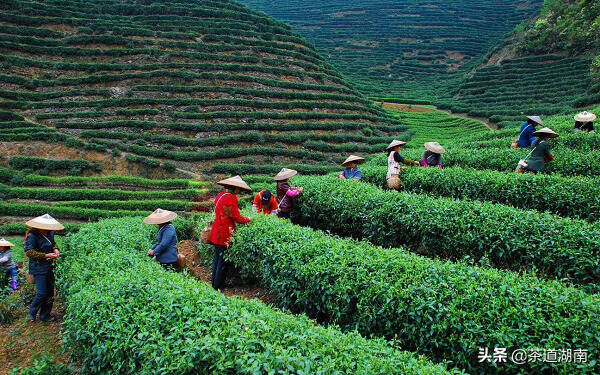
165 248
539 156
526 136
36 245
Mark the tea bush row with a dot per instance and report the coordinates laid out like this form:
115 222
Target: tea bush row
504 236
104 277
430 306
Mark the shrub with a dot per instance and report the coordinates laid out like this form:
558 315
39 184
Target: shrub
442 309
510 238
104 276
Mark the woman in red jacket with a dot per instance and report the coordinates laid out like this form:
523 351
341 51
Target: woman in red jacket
227 214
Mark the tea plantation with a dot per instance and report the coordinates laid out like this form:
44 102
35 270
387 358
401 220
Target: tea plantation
183 84
110 109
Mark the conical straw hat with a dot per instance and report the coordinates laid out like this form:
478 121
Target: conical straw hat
395 143
4 243
235 181
434 147
160 216
45 222
353 159
536 119
585 116
546 131
285 173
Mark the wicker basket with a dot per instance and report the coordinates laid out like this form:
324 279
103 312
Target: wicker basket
394 182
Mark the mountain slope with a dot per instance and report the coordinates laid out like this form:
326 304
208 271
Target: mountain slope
402 48
190 82
550 64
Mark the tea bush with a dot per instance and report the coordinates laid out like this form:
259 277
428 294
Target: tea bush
442 309
510 238
577 197
153 321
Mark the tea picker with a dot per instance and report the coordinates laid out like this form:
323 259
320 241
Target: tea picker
394 167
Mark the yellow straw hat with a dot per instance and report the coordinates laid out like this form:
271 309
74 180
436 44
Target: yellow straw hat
547 132
5 243
45 222
434 147
160 216
285 173
395 143
353 159
585 116
235 181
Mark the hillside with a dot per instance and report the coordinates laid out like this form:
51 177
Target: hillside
402 48
199 86
550 64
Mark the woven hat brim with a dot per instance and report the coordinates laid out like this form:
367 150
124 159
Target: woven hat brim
45 226
536 120
6 244
357 160
436 149
395 144
248 188
285 176
160 220
581 118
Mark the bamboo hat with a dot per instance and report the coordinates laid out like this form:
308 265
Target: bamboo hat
546 131
45 222
235 181
536 119
585 116
395 143
160 216
5 243
353 159
434 147
285 173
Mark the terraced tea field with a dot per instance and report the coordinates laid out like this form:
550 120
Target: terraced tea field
402 49
203 84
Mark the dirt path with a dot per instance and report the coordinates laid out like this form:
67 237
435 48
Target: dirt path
21 341
235 287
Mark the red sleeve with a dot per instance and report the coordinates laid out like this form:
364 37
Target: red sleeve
235 215
257 199
273 203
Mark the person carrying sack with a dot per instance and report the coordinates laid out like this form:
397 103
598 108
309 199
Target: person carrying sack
165 248
526 137
227 215
394 167
285 192
536 160
41 250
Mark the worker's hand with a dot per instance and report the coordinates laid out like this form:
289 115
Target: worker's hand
51 256
301 188
56 252
150 253
415 162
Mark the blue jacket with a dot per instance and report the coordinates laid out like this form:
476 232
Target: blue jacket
165 248
526 138
43 244
352 173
